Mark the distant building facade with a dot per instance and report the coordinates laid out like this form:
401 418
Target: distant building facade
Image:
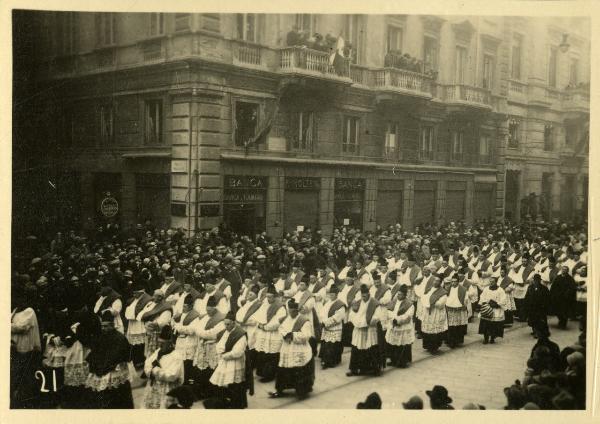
191 120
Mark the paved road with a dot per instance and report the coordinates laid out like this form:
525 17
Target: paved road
474 373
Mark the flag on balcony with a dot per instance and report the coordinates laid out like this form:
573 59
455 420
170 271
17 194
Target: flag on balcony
267 123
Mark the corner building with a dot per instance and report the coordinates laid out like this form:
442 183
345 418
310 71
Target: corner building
161 112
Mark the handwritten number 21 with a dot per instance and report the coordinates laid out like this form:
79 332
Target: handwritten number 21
43 389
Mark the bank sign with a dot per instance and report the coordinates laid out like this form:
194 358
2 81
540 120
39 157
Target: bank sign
244 182
109 206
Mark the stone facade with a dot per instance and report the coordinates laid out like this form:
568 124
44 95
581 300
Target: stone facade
150 108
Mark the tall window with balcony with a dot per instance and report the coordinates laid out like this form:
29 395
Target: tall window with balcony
66 33
351 135
246 122
183 22
460 65
488 71
456 145
105 29
571 133
354 33
392 141
156 24
574 72
247 27
552 66
304 131
516 55
427 142
485 151
394 38
430 53
548 138
153 121
306 22
106 124
513 133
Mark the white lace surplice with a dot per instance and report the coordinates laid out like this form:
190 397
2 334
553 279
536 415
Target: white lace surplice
298 352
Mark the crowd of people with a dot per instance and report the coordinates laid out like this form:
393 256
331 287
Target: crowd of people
197 318
554 380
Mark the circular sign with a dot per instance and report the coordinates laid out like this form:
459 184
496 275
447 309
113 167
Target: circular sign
109 207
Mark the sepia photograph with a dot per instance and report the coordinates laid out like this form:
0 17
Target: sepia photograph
299 211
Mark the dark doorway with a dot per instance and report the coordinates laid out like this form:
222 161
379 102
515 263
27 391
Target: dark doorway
241 219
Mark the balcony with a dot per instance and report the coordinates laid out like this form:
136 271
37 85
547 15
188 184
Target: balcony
577 100
464 95
517 91
248 54
393 80
301 61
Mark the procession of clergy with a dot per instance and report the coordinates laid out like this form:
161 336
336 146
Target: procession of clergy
192 345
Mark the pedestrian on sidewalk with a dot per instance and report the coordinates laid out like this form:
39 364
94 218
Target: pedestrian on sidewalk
537 305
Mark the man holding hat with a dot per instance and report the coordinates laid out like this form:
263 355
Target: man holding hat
365 355
156 314
164 369
400 334
296 368
332 317
187 342
108 379
268 341
207 330
136 332
233 374
110 300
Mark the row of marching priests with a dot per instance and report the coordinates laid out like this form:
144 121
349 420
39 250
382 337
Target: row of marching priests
198 336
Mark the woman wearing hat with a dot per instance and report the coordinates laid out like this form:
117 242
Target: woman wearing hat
164 369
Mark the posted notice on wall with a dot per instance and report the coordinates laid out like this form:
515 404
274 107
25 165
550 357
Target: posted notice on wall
346 221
